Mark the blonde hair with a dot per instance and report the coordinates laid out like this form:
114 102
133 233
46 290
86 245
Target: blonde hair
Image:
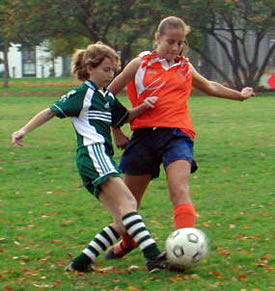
92 56
172 22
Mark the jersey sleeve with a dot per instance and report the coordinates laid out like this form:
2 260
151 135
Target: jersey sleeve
68 105
119 114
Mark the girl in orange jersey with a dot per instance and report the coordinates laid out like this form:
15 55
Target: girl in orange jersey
164 134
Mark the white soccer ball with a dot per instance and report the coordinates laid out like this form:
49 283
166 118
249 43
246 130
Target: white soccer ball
186 247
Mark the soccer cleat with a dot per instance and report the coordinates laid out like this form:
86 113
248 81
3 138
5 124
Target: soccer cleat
118 251
87 269
157 264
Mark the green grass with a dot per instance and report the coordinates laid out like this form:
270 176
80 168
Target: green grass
47 217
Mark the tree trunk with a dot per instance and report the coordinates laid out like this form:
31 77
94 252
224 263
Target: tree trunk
6 65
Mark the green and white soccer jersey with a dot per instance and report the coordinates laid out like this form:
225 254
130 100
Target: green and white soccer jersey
93 112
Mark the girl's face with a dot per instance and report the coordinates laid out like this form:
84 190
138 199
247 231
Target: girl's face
103 74
170 44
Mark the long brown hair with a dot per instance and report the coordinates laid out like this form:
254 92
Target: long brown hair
92 56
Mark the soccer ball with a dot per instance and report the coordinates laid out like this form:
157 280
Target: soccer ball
186 247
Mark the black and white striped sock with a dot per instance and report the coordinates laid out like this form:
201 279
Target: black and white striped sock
136 228
104 239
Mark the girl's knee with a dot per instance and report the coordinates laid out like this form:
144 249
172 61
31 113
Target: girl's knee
130 203
180 195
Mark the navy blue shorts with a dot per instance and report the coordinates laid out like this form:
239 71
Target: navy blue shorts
150 147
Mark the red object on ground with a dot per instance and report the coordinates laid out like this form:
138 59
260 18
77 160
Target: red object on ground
271 82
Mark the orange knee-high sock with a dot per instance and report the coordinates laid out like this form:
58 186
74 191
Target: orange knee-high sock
128 242
184 216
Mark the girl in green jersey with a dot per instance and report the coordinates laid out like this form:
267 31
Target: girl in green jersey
93 111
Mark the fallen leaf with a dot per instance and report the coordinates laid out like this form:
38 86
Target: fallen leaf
67 222
43 286
243 276
55 241
107 270
223 251
243 237
133 288
194 276
176 278
155 222
216 285
269 269
8 288
206 223
132 269
61 263
217 275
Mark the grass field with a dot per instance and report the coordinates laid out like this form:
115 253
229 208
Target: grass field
47 217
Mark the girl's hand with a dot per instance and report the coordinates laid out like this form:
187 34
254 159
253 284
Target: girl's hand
247 92
150 102
17 138
121 140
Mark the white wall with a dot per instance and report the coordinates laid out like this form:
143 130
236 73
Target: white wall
43 63
15 61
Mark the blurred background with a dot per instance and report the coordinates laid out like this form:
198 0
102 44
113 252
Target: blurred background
231 41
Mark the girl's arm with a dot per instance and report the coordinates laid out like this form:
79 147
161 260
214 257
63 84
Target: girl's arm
38 120
127 75
148 103
120 82
121 140
218 90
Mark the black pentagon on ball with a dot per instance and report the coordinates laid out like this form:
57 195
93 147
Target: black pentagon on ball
196 257
174 234
192 237
178 251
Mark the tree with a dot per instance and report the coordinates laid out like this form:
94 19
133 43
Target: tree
231 24
4 39
15 16
119 23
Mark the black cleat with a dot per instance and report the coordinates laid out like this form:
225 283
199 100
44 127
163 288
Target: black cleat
157 264
87 269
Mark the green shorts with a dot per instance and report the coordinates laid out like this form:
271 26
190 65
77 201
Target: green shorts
95 165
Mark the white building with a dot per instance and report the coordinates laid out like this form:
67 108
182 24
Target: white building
35 62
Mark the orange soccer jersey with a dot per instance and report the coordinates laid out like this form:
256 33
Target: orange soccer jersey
171 84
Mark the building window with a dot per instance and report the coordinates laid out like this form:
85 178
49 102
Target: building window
29 62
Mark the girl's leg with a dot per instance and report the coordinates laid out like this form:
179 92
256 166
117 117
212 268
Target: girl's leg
116 192
178 174
137 185
117 198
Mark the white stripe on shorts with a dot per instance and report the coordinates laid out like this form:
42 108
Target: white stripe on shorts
101 160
